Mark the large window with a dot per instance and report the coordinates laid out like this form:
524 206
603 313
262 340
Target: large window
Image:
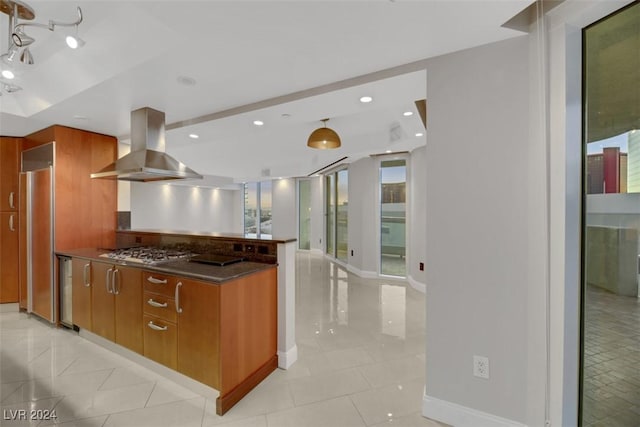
337 208
393 209
610 377
257 209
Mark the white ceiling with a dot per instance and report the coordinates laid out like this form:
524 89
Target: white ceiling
240 53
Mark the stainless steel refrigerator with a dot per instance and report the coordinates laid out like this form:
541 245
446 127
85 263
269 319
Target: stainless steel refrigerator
37 292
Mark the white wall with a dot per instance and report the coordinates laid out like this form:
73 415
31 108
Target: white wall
362 217
178 207
284 208
124 187
477 215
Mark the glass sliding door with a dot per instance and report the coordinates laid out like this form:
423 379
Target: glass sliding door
337 209
304 214
342 211
393 209
610 315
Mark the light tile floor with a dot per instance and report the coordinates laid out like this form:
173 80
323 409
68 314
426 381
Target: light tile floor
611 394
361 363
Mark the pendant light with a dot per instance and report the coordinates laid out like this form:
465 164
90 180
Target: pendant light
323 138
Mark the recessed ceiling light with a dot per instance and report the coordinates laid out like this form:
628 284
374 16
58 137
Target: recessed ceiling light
407 113
186 80
78 117
419 134
366 99
194 136
258 122
8 74
285 115
388 151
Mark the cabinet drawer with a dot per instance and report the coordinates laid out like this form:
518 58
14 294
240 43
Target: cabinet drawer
159 283
154 304
161 341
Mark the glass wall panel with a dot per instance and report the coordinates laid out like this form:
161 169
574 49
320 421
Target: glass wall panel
331 214
265 209
393 194
304 214
251 209
342 238
610 373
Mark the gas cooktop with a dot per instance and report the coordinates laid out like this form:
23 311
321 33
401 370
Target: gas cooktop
148 255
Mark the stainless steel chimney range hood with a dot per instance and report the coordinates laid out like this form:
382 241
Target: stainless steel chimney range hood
147 160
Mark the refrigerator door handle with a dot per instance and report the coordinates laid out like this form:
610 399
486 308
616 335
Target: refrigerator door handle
109 275
85 275
115 282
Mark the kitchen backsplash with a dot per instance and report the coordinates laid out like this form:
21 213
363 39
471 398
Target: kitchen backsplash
250 249
124 220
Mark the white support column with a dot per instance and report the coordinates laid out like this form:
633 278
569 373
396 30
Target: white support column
287 348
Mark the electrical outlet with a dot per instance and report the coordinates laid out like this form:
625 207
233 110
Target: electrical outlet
481 367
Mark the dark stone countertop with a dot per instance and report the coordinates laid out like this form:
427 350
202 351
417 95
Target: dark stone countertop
209 273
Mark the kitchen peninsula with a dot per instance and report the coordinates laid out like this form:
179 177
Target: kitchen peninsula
223 326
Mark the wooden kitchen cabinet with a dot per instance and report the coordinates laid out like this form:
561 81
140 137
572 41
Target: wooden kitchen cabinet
9 272
248 334
161 341
81 293
198 306
9 220
85 208
9 169
160 316
116 304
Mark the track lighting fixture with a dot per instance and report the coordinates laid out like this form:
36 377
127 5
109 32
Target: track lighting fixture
19 41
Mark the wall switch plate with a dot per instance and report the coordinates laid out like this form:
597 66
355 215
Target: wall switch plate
481 367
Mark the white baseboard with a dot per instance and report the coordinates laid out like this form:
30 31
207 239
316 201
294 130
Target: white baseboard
288 358
362 273
418 286
183 380
462 416
11 307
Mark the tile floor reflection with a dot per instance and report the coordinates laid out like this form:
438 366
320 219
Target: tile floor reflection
361 363
611 395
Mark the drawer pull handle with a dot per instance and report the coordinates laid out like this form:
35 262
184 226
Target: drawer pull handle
157 281
156 327
153 303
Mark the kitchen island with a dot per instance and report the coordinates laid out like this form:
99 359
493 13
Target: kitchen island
216 325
